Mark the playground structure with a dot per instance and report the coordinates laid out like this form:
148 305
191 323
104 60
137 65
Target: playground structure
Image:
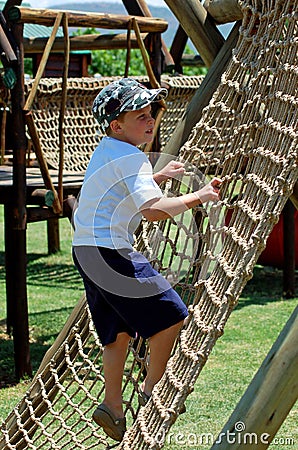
247 135
19 183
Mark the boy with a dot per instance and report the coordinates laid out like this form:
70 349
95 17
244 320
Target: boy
126 296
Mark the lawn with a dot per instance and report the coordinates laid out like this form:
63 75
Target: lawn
54 287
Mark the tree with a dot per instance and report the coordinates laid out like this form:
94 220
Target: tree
109 63
112 63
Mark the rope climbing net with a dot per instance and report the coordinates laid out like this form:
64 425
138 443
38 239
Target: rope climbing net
80 130
248 137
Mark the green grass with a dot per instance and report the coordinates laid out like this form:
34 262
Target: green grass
249 335
54 287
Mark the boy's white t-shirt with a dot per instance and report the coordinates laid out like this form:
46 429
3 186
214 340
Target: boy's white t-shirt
118 181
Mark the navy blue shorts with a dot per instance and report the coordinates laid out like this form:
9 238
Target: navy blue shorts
125 294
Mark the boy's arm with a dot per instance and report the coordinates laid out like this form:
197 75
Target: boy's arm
163 208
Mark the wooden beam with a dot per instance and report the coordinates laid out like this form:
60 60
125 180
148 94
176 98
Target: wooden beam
63 107
85 19
268 399
57 208
223 11
53 236
43 62
9 267
133 8
83 42
40 213
8 5
199 26
202 96
146 12
18 221
178 46
6 47
149 69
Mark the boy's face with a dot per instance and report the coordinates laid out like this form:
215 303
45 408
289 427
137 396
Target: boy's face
134 127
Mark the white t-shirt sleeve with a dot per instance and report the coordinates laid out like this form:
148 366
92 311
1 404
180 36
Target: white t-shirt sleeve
138 177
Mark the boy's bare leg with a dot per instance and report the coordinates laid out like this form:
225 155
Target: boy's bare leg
160 346
114 356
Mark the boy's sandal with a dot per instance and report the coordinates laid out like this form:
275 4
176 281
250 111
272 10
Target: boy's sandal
144 398
112 426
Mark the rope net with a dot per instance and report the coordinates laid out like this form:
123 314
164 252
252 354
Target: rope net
248 137
80 130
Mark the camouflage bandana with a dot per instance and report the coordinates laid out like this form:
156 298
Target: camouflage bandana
123 95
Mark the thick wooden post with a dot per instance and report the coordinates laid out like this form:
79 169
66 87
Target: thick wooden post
9 275
223 11
199 26
53 236
18 218
269 397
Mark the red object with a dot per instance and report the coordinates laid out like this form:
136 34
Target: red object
273 255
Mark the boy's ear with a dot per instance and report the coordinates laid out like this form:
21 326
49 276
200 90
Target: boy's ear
115 126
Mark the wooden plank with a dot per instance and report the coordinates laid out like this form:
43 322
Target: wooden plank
154 83
35 180
39 214
42 162
63 107
82 19
43 63
200 28
268 399
202 97
84 42
224 11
